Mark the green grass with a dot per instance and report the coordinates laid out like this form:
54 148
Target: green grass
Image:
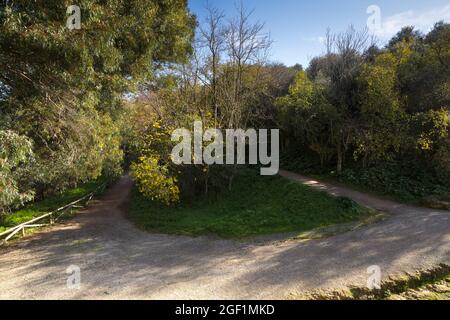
431 284
256 206
47 205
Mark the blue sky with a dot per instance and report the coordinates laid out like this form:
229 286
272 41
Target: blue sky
297 27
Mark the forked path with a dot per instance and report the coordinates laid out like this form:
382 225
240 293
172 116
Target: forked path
118 261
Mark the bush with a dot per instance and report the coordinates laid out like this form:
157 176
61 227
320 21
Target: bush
154 181
404 181
15 156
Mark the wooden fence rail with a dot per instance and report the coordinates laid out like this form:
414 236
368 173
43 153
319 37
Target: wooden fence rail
52 216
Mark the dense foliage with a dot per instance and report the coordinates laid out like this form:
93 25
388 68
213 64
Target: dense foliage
77 104
226 84
62 90
379 116
15 157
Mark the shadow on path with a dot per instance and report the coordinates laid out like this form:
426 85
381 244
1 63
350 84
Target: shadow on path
118 261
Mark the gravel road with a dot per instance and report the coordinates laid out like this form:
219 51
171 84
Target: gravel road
118 261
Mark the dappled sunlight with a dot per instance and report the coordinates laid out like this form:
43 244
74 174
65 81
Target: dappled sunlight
169 149
119 261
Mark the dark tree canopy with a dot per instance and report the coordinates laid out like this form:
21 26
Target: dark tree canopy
407 34
64 88
118 44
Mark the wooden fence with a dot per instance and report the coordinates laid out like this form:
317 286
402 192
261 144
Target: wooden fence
52 217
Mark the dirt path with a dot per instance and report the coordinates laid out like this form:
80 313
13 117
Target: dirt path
117 261
341 191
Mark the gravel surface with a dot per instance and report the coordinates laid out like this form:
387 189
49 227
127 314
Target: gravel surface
118 261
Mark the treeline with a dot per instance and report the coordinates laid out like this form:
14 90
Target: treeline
379 116
376 117
74 104
228 83
62 91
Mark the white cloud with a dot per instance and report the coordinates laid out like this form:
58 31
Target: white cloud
423 21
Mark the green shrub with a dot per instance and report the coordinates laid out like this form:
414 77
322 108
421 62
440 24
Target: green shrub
399 180
16 155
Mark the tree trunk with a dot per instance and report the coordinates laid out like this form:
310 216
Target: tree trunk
230 182
207 185
339 159
231 177
366 156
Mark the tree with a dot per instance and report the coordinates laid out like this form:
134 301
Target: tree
407 34
308 117
227 75
439 41
342 66
382 119
15 157
423 73
65 88
213 39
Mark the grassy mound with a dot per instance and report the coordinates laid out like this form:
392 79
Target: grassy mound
257 205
